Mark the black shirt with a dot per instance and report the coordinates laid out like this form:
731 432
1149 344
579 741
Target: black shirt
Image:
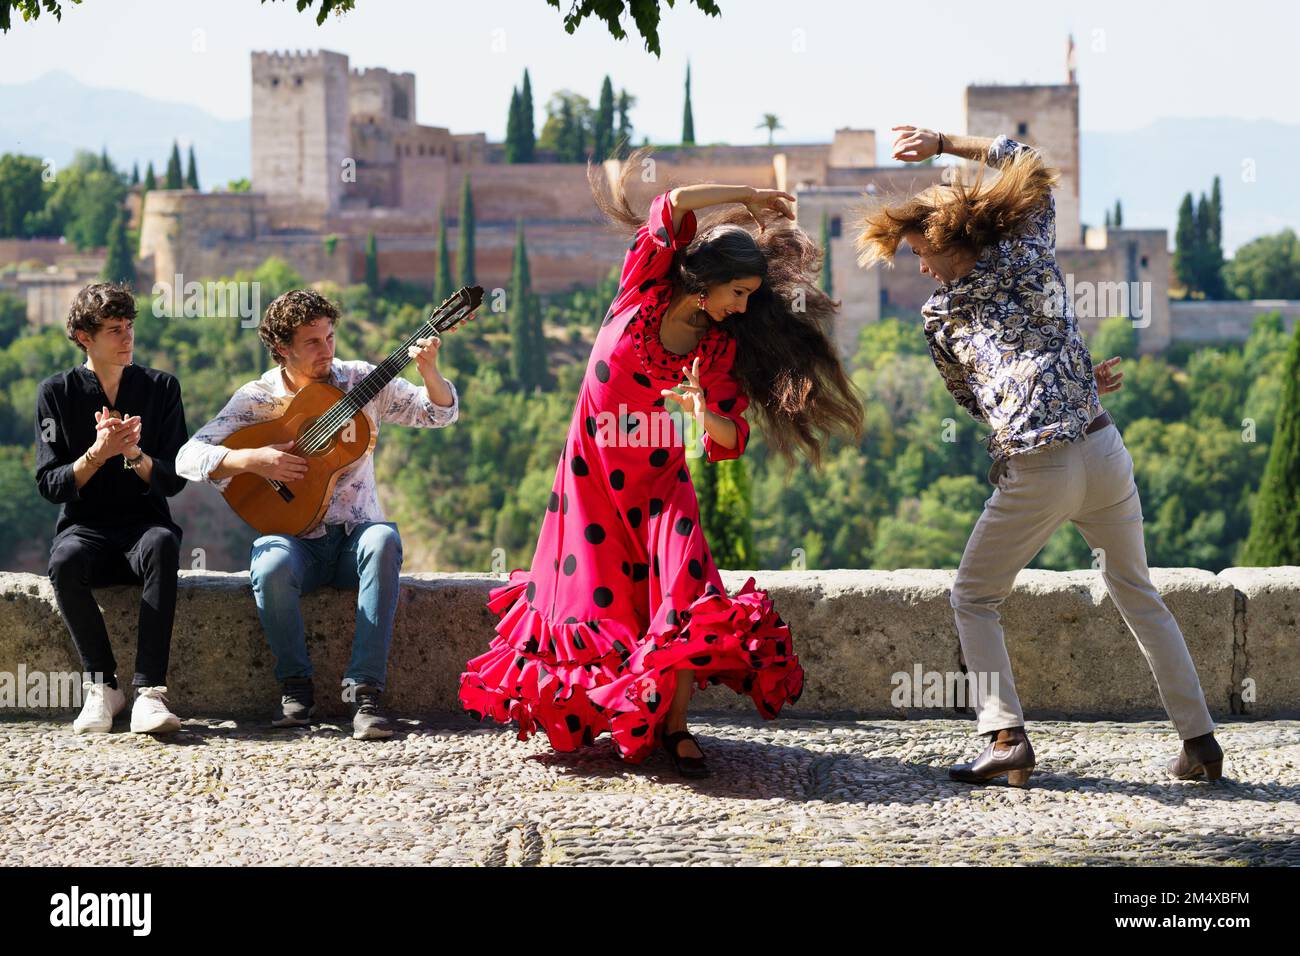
65 427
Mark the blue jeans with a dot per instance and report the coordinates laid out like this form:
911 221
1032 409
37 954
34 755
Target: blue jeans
284 568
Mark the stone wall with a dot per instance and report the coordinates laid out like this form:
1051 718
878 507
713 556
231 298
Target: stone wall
1226 321
854 631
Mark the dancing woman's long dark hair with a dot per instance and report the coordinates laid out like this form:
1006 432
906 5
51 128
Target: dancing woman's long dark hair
785 362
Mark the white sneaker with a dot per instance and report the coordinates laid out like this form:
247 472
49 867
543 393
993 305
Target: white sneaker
149 713
99 705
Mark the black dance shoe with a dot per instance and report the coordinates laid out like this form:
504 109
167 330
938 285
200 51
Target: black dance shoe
694 767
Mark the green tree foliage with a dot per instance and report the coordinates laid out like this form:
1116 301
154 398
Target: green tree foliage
119 265
81 203
174 179
827 285
514 124
22 195
1198 245
688 117
465 246
1266 268
615 13
603 123
191 172
372 264
527 136
1275 530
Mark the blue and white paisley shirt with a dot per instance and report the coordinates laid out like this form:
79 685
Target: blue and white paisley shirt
1005 338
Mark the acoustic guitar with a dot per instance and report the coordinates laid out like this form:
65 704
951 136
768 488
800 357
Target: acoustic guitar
328 428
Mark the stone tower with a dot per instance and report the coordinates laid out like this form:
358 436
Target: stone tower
1046 117
300 127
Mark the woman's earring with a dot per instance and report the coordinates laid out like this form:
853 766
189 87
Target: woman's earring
701 301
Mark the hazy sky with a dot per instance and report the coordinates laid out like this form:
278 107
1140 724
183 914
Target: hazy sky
816 64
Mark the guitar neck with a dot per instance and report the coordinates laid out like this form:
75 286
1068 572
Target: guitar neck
444 317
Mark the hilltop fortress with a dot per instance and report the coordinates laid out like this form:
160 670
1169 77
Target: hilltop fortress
337 155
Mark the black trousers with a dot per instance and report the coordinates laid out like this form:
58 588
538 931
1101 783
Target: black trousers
82 558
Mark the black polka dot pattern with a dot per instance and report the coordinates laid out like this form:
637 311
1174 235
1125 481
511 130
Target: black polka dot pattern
594 533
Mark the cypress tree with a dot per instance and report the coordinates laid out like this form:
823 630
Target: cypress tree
826 284
150 180
1214 284
192 172
372 265
457 347
1109 220
624 124
512 127
1185 245
135 173
442 287
521 322
174 178
119 266
465 246
688 120
1119 215
1274 537
527 138
604 132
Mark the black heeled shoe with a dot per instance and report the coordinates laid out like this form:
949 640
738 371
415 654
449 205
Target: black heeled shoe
693 767
1017 762
1200 758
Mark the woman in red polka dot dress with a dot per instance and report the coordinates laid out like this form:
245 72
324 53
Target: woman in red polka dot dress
623 610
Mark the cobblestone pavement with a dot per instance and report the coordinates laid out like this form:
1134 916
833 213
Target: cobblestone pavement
784 792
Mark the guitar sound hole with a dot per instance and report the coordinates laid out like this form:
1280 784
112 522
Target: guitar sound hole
304 442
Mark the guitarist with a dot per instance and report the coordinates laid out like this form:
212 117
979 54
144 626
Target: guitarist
354 547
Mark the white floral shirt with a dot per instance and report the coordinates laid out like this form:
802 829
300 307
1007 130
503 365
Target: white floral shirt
1005 338
355 500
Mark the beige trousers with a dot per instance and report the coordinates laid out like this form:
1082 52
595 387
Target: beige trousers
1088 482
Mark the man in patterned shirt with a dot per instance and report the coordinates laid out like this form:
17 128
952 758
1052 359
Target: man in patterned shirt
354 547
1002 332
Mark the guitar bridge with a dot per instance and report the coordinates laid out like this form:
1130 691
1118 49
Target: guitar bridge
281 489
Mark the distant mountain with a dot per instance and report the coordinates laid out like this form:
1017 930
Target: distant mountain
1150 169
55 115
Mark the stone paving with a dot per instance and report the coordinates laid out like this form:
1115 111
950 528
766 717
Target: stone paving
802 792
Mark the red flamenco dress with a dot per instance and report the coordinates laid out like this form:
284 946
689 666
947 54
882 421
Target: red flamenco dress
623 593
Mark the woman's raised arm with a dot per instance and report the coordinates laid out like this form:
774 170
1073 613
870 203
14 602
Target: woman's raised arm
685 199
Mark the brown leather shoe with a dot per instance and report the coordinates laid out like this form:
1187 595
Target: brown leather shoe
1015 758
1200 757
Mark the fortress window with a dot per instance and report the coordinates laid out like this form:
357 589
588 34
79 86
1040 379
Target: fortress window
421 149
835 227
275 81
1022 129
1144 262
297 81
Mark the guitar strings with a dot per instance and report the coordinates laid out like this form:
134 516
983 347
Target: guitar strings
319 434
341 412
